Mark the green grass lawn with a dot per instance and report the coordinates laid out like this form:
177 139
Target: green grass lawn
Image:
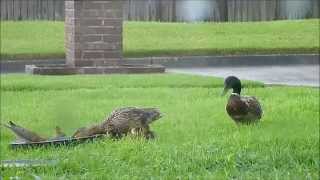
195 139
43 39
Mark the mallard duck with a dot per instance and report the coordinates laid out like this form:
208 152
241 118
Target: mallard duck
123 121
242 109
131 120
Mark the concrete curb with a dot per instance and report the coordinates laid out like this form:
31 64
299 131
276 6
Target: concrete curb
14 66
223 61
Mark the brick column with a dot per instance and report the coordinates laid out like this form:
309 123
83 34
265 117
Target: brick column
93 32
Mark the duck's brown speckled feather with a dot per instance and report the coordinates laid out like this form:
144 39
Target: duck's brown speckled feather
254 107
244 109
131 119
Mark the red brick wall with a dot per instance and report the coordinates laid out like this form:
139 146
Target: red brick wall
93 32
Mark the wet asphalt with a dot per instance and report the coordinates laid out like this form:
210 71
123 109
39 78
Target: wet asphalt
305 74
296 75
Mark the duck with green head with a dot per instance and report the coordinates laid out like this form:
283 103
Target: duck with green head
242 109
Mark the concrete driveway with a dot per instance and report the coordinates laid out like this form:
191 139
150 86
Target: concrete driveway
297 75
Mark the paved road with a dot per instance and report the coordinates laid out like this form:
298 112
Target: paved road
305 75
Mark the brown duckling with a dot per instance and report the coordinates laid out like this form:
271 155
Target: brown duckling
60 135
23 134
89 131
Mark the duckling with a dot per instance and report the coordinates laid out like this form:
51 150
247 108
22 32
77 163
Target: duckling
60 135
59 132
23 134
89 131
242 109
